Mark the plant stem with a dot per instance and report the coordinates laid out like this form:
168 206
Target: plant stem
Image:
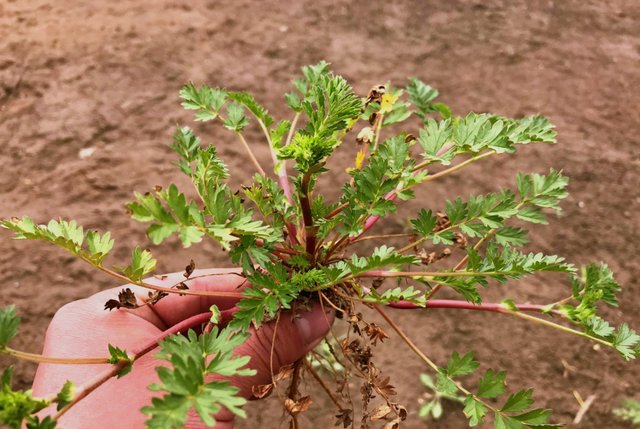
372 237
322 383
305 206
405 338
253 158
164 289
46 359
460 305
379 126
434 274
461 263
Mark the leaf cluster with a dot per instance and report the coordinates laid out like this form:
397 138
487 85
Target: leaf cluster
192 359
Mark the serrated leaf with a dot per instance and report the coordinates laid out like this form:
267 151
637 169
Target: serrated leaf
474 410
491 386
9 323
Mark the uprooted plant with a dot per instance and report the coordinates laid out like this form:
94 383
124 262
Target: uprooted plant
301 252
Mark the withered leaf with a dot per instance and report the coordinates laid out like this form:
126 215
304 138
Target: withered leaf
182 286
381 412
156 296
344 417
461 240
188 270
377 282
262 390
296 407
394 424
111 304
375 94
285 372
402 411
384 387
373 118
160 277
375 333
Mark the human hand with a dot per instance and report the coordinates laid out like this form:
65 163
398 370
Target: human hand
83 329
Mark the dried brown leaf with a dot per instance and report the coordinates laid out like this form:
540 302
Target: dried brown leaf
261 390
296 407
345 418
375 333
381 412
375 94
384 387
188 270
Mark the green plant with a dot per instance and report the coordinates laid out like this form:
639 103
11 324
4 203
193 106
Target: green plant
630 411
433 407
294 246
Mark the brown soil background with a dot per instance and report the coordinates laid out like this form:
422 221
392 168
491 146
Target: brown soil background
105 75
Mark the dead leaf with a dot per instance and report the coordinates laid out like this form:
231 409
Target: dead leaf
461 240
188 270
344 417
111 304
384 387
375 94
261 390
381 412
182 286
296 407
375 333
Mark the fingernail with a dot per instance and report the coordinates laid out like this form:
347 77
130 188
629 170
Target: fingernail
315 325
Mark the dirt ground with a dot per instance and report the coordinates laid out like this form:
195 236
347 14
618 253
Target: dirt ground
104 75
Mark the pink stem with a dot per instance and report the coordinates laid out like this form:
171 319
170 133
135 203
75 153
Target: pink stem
464 305
392 195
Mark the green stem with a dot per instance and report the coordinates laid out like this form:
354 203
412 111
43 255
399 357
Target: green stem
253 158
46 359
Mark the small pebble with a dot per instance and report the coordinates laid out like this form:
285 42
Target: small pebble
16 284
86 152
283 29
581 204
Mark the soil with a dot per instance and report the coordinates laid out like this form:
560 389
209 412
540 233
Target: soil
101 78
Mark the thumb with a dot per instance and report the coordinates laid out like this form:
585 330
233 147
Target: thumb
293 339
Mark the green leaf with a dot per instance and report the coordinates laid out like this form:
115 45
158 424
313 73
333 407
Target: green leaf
36 423
492 386
206 101
461 366
474 410
66 394
433 138
509 305
518 402
624 341
184 381
190 235
98 246
511 235
236 120
215 314
9 323
118 355
16 406
249 102
141 265
445 385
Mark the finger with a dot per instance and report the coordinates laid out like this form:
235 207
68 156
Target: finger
175 308
293 339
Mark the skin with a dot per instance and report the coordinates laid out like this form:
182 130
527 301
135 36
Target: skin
84 329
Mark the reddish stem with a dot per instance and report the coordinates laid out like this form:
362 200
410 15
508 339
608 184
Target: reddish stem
464 305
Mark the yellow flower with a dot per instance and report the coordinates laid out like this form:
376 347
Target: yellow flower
388 101
359 159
